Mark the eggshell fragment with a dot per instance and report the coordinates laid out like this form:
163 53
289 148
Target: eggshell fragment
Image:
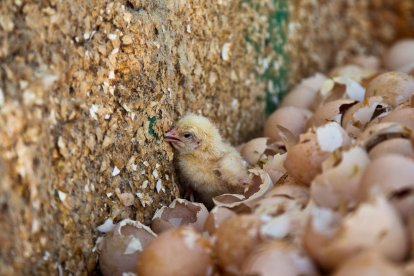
378 133
216 216
392 175
274 166
120 249
338 184
400 55
352 71
366 62
330 112
404 116
278 258
235 239
253 150
374 225
394 87
292 118
369 263
398 146
178 251
180 212
303 95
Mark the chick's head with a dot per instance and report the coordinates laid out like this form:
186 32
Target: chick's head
193 133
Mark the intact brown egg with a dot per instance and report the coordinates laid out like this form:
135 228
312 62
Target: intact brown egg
292 118
392 175
278 258
178 251
180 212
216 216
338 184
400 57
304 160
121 248
375 225
393 87
369 263
330 112
236 237
303 95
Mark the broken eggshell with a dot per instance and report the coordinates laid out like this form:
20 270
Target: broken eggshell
273 165
392 175
260 185
216 216
290 117
400 57
178 251
179 212
120 249
235 239
404 116
338 184
330 112
304 160
331 239
400 146
278 257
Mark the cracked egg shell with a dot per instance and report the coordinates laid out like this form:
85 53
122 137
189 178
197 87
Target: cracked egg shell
273 165
290 117
179 212
236 237
400 146
253 150
375 225
366 62
394 87
261 183
330 112
392 175
400 55
404 116
216 216
121 248
178 251
338 184
368 263
279 258
357 117
378 133
352 71
304 94
304 160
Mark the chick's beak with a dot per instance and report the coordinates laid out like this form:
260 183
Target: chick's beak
172 136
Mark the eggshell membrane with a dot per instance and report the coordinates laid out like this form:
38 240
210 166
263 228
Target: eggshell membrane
236 237
278 258
369 263
121 248
178 251
216 216
338 184
303 95
394 87
398 146
400 55
374 225
180 212
253 150
330 112
292 118
392 175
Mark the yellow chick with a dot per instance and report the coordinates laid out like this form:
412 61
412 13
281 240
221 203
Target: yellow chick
207 164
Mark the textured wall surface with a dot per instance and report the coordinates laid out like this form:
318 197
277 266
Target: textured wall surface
87 89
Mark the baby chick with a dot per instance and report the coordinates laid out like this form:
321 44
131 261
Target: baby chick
206 163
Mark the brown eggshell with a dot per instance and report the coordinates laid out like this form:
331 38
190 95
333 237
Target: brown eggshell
367 62
279 258
338 184
180 212
400 55
404 116
392 175
394 87
178 251
374 225
369 263
378 133
330 112
120 249
236 237
304 160
273 165
303 95
352 71
400 146
253 150
292 118
216 216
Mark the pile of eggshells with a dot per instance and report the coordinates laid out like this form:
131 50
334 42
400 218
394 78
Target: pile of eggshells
332 189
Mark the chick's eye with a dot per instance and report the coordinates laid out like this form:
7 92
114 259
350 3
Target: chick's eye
187 135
